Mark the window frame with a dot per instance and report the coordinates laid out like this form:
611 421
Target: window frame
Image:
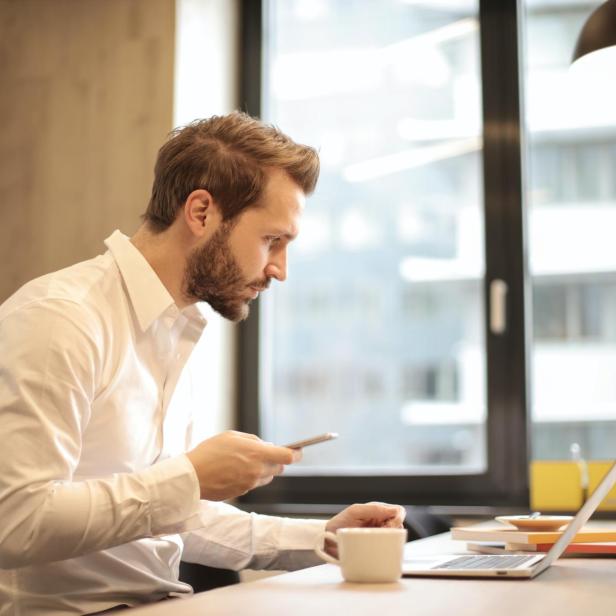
505 483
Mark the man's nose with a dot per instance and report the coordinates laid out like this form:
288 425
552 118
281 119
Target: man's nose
277 267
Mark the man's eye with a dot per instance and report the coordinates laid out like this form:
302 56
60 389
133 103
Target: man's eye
272 240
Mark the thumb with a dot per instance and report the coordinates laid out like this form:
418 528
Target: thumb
279 455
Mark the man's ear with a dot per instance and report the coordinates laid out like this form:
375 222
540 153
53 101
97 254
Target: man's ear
200 212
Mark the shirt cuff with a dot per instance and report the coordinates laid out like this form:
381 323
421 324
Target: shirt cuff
300 534
174 496
297 540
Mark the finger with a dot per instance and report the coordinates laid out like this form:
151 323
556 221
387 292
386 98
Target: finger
397 520
377 514
272 469
298 454
264 480
246 435
331 548
278 455
397 510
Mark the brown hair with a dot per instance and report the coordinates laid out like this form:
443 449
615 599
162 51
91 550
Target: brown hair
228 156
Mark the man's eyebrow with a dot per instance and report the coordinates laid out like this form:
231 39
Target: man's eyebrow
287 234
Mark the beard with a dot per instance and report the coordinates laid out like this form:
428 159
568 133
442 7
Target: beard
213 275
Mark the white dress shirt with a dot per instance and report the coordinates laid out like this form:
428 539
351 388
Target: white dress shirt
97 501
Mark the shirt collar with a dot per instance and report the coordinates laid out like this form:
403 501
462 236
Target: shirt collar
148 295
196 313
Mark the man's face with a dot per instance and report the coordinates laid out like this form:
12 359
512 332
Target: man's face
244 254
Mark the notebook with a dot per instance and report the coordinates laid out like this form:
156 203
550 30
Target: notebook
509 565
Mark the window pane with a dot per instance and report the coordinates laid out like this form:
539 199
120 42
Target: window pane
378 333
571 217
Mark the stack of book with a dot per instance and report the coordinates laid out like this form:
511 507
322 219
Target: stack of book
499 540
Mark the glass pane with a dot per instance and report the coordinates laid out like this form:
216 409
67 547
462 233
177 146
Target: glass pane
378 332
571 197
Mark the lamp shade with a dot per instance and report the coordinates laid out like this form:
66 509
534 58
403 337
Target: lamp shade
598 32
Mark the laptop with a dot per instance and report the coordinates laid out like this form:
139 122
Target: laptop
508 565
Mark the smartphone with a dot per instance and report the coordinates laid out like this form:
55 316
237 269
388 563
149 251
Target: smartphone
328 436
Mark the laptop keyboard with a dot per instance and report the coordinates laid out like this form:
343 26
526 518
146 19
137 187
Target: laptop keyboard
486 562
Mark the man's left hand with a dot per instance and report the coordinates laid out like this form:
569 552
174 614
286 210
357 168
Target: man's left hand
375 515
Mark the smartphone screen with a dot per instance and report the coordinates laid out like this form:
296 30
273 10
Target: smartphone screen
328 436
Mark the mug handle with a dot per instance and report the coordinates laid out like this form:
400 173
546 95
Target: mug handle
319 550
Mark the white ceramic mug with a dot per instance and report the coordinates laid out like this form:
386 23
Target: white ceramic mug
367 554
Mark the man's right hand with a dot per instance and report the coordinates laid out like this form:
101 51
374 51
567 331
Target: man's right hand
232 463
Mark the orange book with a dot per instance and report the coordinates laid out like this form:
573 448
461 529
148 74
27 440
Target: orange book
505 535
490 547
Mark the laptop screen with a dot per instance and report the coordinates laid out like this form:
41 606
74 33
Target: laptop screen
582 516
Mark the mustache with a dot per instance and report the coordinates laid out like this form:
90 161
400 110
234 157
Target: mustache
261 285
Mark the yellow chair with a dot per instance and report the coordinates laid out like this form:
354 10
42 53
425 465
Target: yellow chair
596 471
555 485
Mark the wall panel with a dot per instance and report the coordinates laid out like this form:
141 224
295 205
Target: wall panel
86 99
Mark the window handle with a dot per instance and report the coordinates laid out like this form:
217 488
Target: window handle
498 306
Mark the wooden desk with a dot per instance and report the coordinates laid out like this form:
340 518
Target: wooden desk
571 586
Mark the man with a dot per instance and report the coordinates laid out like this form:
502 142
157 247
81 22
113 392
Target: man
99 500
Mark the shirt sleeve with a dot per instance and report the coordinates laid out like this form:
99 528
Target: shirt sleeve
235 539
49 366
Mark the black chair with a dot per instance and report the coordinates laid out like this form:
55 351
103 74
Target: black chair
420 523
202 577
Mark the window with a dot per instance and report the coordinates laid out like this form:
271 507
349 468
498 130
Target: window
572 261
382 332
571 311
